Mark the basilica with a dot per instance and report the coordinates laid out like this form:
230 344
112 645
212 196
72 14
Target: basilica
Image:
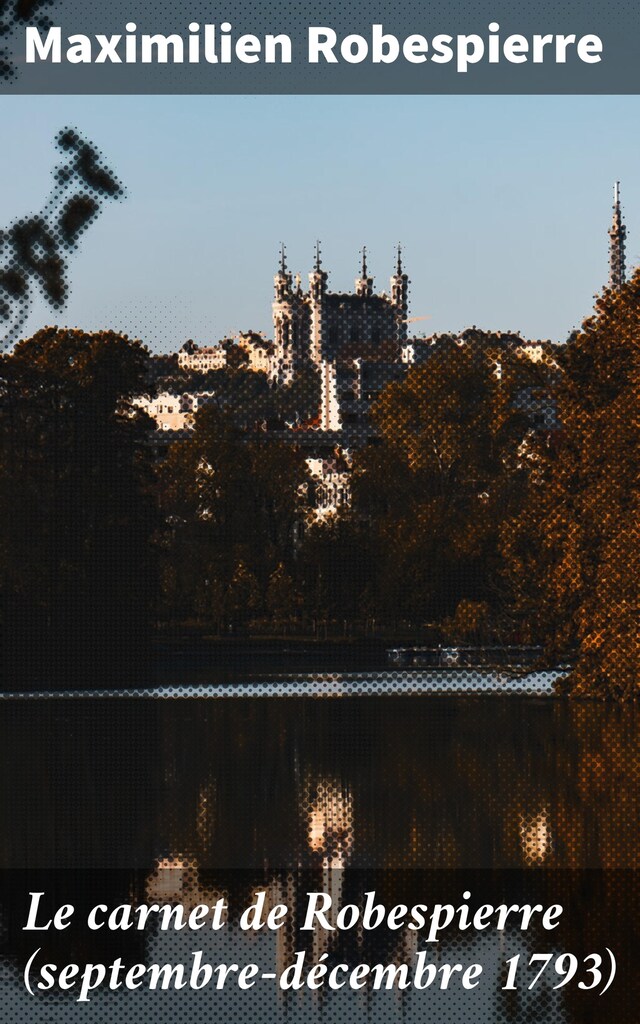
318 326
356 343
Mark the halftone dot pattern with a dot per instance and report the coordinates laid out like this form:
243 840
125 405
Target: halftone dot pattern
14 15
206 802
441 48
318 613
34 251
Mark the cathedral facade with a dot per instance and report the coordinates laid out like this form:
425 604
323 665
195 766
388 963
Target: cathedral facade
326 329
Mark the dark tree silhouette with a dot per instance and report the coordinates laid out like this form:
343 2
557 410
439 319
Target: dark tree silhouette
76 509
574 553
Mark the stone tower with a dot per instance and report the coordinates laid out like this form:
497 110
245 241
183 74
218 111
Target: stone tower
290 324
340 334
317 294
400 297
617 235
364 283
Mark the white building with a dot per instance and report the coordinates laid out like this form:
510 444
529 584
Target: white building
331 486
201 360
168 410
258 350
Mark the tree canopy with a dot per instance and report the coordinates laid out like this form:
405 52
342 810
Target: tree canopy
574 553
76 508
450 466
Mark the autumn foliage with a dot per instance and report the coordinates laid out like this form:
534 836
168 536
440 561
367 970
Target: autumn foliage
498 503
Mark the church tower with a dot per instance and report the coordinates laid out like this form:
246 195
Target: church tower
283 323
400 298
364 283
617 235
317 293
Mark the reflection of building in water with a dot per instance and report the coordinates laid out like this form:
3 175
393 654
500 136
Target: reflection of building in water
171 879
535 837
328 809
206 814
176 880
275 950
330 821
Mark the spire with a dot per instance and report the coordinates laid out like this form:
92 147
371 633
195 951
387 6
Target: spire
400 297
317 291
399 262
617 235
318 277
282 280
364 283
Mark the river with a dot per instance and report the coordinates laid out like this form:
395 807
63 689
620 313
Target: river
413 790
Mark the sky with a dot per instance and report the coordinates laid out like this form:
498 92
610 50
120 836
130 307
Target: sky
502 205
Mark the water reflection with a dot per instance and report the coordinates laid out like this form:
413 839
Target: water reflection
536 838
198 800
384 782
329 810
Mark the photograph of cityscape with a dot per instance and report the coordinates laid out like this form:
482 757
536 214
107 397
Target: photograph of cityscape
319 548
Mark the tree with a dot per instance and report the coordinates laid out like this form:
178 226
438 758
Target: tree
469 621
280 598
234 497
77 513
210 599
448 470
578 537
243 595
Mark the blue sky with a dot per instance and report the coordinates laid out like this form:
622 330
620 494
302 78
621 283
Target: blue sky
502 204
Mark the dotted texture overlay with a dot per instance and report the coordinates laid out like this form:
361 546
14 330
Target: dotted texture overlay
190 801
616 26
343 608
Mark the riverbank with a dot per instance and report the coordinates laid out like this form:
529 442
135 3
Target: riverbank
213 666
273 653
415 683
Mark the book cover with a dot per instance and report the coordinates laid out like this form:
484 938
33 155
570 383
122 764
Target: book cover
319 549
